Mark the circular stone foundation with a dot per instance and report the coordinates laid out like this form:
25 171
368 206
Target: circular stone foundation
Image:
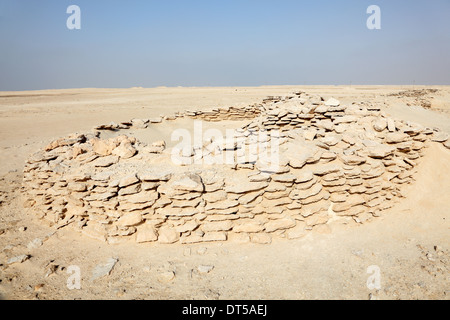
289 165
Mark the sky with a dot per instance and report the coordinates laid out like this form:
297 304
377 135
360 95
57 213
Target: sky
189 43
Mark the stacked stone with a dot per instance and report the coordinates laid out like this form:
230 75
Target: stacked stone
272 99
226 113
136 123
214 115
335 162
276 99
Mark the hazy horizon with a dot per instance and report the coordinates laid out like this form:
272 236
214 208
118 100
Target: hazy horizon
233 44
406 86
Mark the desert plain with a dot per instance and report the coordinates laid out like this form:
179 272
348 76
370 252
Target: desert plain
407 247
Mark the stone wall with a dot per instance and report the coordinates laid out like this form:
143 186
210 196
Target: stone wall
229 113
335 162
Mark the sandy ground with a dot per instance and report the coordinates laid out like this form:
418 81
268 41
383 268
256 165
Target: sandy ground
409 243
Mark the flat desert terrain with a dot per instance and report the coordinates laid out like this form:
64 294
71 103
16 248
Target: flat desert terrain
408 245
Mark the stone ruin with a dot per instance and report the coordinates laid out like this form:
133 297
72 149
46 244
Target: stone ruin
334 162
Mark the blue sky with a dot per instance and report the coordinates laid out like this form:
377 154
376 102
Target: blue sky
222 43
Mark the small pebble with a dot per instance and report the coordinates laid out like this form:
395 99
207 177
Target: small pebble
205 269
18 259
36 243
120 292
38 287
166 276
103 270
51 269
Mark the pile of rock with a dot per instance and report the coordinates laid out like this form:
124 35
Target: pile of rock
334 162
136 123
228 113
